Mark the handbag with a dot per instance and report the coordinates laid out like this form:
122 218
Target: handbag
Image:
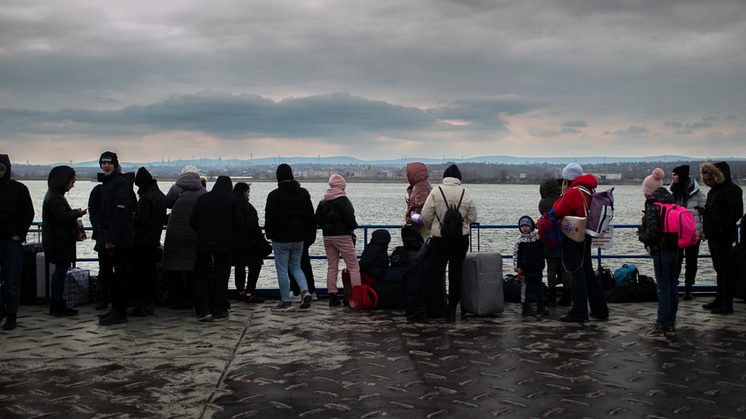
574 227
80 231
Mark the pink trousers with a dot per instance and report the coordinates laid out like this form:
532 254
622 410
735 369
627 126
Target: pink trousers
335 246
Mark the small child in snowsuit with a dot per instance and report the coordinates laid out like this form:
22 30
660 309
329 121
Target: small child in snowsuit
528 261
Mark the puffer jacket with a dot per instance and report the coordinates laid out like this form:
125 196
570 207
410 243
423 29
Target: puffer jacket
289 213
724 206
418 190
550 192
180 244
59 221
117 207
650 235
150 214
243 249
693 196
434 205
336 217
375 258
528 253
216 216
572 202
16 207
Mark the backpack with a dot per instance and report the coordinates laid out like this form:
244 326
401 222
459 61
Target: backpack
363 297
626 274
645 290
677 226
399 257
451 227
600 213
606 278
549 231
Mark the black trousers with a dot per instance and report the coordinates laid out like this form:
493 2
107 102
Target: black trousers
211 294
450 252
689 255
144 272
115 268
722 261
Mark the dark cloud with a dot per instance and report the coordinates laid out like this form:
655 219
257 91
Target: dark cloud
629 131
673 124
575 124
697 125
731 117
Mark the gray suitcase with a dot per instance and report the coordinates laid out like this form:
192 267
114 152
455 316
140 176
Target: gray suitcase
482 284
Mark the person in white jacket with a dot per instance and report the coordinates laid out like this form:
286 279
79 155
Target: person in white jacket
447 251
686 192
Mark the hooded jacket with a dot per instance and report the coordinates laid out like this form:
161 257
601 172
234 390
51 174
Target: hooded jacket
693 197
179 247
550 192
572 202
724 205
59 221
216 216
16 207
336 217
650 235
418 190
375 258
435 207
150 214
528 251
117 207
243 239
288 214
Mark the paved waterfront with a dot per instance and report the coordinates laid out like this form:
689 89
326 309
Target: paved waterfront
327 363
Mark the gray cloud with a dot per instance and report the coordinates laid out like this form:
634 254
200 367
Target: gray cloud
629 131
687 132
729 117
673 124
575 124
697 125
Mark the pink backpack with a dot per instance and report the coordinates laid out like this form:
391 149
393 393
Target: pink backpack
678 227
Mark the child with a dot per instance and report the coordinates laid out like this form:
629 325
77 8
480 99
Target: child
336 217
528 261
665 259
375 258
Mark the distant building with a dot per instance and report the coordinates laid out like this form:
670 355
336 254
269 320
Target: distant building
608 176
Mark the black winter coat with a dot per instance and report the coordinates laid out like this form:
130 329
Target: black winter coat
59 221
337 217
179 252
724 207
117 207
650 236
150 215
375 258
288 215
215 217
16 207
94 210
242 241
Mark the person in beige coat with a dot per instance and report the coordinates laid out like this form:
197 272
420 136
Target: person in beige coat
447 251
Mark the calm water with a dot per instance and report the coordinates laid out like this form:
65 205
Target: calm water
384 204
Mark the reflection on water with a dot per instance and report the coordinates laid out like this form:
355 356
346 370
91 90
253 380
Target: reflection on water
383 204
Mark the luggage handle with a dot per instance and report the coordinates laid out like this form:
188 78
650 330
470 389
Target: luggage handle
471 227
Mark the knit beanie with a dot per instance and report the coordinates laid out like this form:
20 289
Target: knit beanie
452 171
572 171
526 221
189 169
284 172
143 177
109 156
682 171
653 182
337 182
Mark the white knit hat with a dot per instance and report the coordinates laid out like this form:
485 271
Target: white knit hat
189 169
572 171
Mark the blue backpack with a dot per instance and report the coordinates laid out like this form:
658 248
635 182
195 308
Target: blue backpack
625 275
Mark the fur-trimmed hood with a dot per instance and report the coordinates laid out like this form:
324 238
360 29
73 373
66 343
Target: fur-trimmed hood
720 171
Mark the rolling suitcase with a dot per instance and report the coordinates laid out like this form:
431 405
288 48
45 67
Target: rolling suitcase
29 285
482 284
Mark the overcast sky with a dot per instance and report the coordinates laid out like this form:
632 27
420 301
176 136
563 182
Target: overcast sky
172 79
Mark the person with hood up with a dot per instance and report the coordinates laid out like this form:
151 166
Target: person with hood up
665 259
417 192
287 217
576 256
528 262
375 258
149 219
686 193
550 192
216 215
116 235
16 216
179 247
447 251
245 247
336 217
722 210
59 231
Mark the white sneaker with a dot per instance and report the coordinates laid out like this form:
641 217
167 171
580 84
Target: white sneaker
296 298
314 297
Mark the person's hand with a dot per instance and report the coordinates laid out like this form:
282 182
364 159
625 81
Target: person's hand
81 212
110 246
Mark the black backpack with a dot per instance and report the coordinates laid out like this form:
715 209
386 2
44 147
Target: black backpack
452 223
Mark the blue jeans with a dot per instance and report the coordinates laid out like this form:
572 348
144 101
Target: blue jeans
586 287
666 266
11 259
58 280
287 258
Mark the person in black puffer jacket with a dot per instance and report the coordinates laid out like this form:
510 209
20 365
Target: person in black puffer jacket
59 225
528 261
375 258
245 247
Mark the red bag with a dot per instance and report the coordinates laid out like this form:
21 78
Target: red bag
363 298
549 231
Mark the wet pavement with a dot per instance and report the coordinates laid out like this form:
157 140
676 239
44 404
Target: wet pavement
326 363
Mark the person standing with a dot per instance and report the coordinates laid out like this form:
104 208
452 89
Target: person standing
94 214
288 215
245 245
150 216
59 231
336 217
115 235
686 193
665 259
215 217
550 192
417 192
16 216
576 256
528 262
447 251
722 210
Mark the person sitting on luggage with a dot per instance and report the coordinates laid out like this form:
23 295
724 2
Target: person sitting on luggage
375 258
528 261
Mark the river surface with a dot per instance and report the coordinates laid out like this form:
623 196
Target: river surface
384 204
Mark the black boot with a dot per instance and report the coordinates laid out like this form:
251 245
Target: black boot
552 298
58 308
687 292
10 323
451 312
140 310
725 308
713 304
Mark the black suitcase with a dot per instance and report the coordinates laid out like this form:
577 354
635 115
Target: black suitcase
28 275
739 268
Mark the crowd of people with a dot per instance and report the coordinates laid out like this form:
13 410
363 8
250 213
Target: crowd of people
207 233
